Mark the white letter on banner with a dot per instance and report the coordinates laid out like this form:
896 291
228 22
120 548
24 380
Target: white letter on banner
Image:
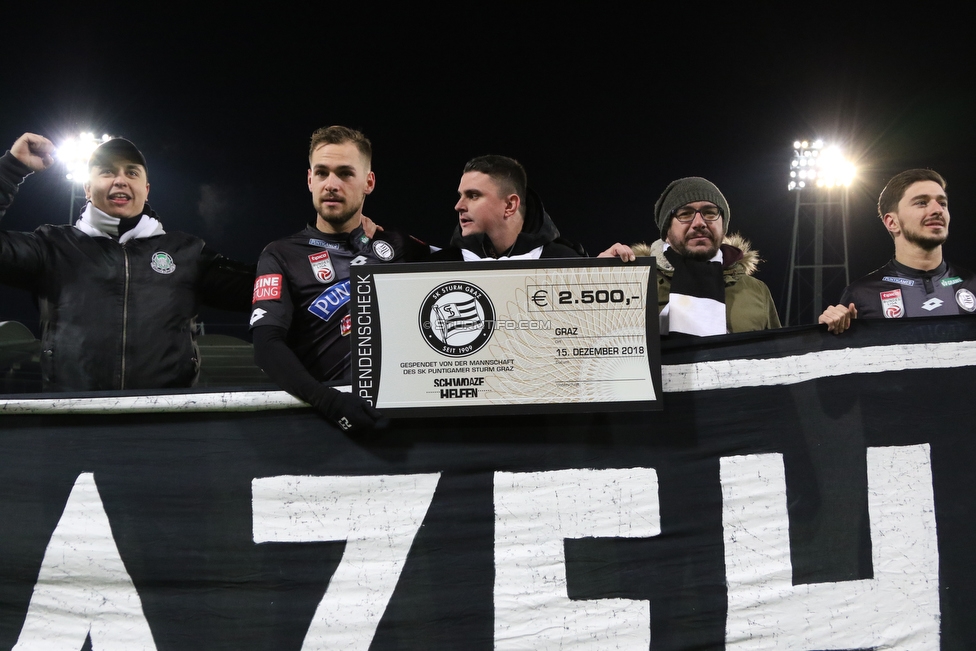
535 512
898 609
378 517
83 587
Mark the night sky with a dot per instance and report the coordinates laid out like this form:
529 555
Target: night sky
602 105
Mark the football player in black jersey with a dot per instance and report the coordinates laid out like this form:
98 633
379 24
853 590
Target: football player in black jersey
918 281
300 317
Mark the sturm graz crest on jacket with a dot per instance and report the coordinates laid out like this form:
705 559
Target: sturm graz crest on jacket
457 319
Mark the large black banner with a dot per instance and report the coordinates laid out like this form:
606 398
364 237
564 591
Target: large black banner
799 491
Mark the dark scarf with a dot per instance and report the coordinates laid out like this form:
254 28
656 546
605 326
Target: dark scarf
697 302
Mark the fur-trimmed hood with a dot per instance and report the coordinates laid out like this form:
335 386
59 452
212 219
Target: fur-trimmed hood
740 259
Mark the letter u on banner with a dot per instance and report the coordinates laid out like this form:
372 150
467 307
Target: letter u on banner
898 609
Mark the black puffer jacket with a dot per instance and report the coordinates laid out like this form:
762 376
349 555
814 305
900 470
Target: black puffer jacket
116 315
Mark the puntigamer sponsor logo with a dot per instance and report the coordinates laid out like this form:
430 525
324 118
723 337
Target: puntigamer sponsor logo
329 301
456 319
323 244
900 281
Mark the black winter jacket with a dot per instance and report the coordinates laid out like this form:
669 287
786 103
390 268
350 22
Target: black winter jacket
116 315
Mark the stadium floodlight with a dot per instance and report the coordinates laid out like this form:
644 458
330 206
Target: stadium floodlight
818 257
825 164
835 169
75 152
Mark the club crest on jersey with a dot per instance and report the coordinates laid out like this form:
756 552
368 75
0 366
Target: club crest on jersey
162 263
345 326
330 301
383 250
267 288
322 267
892 305
966 300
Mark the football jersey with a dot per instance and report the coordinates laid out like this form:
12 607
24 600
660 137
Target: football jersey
302 285
895 291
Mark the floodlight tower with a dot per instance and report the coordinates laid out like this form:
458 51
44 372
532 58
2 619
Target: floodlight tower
820 177
74 153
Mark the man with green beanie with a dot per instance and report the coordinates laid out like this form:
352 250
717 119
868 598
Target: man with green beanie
704 279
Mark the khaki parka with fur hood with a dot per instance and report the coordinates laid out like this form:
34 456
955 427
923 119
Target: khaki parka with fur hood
748 303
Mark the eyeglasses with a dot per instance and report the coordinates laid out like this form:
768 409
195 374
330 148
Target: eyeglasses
686 214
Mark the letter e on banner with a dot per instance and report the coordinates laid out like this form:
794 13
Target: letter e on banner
534 513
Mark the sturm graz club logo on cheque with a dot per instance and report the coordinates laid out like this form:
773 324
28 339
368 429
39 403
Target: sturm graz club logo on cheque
456 319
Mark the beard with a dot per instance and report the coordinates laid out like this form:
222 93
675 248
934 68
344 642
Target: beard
925 241
698 253
338 218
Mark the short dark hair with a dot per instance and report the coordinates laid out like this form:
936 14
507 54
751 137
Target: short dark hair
899 183
339 135
507 172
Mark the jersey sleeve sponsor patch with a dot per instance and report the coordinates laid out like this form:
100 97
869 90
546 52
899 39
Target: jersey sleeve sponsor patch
267 288
330 301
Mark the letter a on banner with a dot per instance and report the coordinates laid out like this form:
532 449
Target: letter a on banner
83 587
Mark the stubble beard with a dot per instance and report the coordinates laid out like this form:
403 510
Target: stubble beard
925 242
339 219
698 254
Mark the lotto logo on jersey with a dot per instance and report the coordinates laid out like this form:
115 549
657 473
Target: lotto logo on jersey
345 326
267 288
329 301
892 305
322 267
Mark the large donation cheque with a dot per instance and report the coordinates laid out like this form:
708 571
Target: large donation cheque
506 337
